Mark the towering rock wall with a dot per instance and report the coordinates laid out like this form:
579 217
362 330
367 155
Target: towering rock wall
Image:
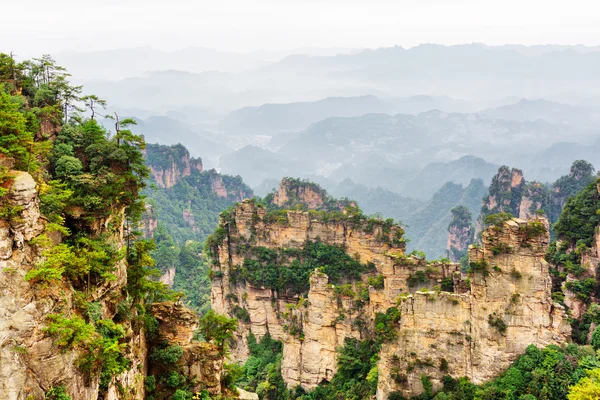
273 313
460 233
506 307
451 323
31 361
291 192
510 193
169 164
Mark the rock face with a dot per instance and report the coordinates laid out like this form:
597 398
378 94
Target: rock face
504 195
478 333
264 306
510 193
149 222
460 233
169 164
296 192
292 192
30 361
201 362
478 326
176 323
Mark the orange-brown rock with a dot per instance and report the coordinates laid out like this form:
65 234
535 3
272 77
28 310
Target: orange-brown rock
176 322
514 291
169 164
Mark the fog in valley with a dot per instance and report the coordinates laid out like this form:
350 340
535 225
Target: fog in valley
387 120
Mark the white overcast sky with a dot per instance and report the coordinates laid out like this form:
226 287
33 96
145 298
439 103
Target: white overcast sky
36 26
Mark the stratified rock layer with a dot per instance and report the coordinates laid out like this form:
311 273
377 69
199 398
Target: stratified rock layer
30 361
460 330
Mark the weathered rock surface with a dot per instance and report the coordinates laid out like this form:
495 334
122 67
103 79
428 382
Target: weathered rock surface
149 222
201 362
291 193
168 278
435 326
464 330
294 192
176 322
30 363
169 164
244 395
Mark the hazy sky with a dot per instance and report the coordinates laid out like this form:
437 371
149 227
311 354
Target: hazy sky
36 26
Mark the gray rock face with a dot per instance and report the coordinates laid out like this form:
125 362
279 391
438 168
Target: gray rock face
23 195
6 241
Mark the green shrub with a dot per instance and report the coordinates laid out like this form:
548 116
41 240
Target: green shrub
57 393
479 267
497 322
182 395
416 278
516 274
273 269
497 219
596 338
69 332
150 384
501 248
167 355
241 313
583 289
386 325
217 328
444 365
532 230
447 284
377 282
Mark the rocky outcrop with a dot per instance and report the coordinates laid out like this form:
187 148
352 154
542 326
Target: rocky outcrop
510 193
479 333
201 362
292 193
460 233
149 222
504 194
29 361
250 222
218 187
169 164
227 187
189 220
176 322
130 383
168 278
451 323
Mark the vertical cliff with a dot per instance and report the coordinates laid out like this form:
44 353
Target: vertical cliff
510 193
293 193
449 323
169 164
460 233
506 305
368 245
36 357
76 281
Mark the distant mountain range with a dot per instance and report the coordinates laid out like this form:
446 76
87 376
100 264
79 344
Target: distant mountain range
160 81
